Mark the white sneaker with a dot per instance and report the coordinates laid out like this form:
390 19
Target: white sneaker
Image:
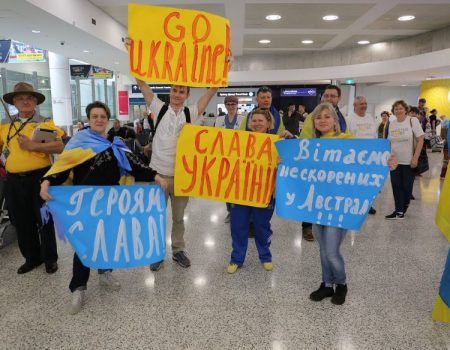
107 280
76 302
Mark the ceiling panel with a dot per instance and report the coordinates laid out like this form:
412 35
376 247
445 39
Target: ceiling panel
292 41
120 13
428 17
303 15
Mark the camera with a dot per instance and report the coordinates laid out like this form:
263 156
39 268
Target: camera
62 43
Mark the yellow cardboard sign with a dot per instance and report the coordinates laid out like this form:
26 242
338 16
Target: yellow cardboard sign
226 165
176 46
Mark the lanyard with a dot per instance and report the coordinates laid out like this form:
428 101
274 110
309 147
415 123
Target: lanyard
9 137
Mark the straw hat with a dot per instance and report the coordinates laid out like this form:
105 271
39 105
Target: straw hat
23 88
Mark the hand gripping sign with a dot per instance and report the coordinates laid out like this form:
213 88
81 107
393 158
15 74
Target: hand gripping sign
330 182
226 165
175 46
112 226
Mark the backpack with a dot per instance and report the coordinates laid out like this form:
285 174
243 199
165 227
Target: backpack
161 114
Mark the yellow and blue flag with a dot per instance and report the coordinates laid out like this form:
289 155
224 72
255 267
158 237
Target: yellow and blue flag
85 145
441 311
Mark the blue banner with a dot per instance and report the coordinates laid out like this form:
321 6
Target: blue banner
112 226
299 92
330 182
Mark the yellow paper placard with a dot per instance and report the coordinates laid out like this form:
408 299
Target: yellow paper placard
176 46
226 165
443 209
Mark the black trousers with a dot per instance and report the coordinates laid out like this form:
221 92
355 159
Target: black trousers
37 242
402 180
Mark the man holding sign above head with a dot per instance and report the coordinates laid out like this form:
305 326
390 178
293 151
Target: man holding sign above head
169 122
95 161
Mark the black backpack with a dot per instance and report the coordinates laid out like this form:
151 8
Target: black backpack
161 114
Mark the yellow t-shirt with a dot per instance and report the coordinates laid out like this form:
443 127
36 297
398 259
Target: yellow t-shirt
20 161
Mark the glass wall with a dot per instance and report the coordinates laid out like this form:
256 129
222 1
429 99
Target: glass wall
10 77
84 91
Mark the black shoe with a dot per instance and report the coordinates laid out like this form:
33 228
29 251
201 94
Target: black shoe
156 266
372 211
405 209
51 267
395 216
321 293
339 294
181 259
307 234
412 197
27 267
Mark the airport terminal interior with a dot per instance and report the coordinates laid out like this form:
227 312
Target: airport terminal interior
375 53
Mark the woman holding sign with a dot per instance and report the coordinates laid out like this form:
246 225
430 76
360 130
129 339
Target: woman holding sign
326 125
95 161
261 121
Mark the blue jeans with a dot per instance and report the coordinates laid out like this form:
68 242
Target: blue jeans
332 261
240 222
402 180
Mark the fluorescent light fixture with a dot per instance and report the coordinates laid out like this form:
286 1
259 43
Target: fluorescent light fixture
404 85
330 17
363 42
406 18
116 62
273 17
307 41
264 41
86 51
35 31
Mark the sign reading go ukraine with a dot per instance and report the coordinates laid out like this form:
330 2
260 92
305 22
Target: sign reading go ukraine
175 46
112 226
330 182
226 165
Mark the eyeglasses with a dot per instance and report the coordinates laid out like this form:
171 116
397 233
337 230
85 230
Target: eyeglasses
264 89
230 104
330 96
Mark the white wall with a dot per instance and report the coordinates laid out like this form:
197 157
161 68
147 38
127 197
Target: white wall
380 98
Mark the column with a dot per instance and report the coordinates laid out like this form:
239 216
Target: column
60 89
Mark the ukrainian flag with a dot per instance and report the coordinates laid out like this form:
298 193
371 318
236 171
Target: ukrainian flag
85 145
441 311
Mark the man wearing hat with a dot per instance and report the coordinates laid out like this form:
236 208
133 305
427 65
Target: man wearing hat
231 120
26 161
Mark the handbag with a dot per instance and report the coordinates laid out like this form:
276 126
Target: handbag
422 162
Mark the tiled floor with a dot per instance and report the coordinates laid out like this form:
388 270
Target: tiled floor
393 268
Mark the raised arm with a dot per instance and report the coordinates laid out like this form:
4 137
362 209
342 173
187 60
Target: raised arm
145 89
204 100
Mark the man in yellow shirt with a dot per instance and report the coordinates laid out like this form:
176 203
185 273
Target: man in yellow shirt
26 161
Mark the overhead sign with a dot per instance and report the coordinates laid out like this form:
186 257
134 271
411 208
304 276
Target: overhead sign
178 46
112 226
88 71
236 93
330 182
226 165
299 92
135 89
12 51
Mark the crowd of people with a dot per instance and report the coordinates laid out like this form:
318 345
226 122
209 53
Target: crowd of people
30 171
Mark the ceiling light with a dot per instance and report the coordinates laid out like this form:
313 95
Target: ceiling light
363 42
35 31
86 51
406 18
116 62
307 41
264 41
404 85
330 17
273 17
